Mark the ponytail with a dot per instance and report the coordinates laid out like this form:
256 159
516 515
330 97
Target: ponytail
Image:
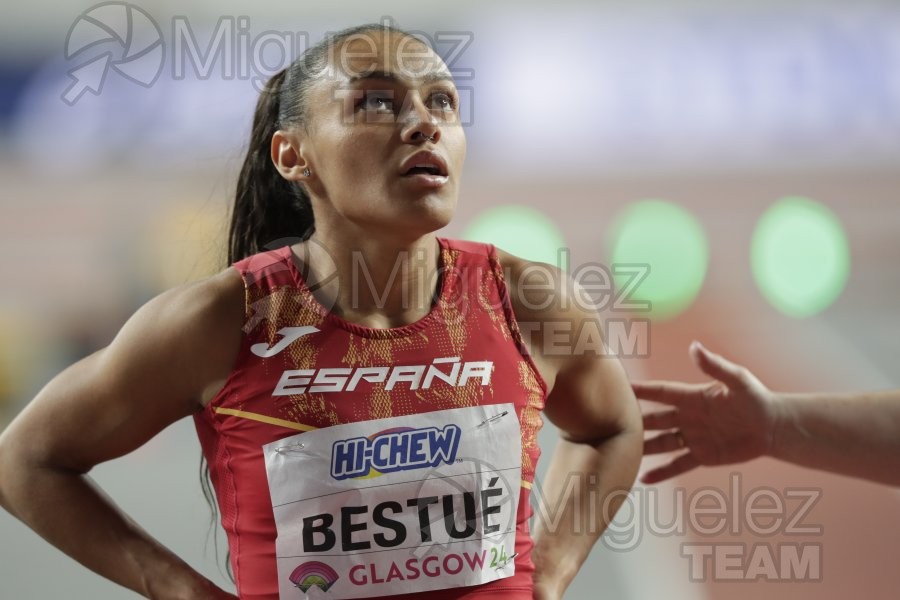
267 207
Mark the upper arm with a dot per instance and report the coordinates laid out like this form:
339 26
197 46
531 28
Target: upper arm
592 400
590 397
152 374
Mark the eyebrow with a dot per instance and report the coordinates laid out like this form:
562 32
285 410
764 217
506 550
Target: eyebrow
429 77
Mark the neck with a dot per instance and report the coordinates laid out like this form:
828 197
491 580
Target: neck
372 281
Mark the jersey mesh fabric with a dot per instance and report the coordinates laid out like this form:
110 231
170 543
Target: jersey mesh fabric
471 319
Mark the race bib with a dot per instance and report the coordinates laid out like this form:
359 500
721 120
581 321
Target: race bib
399 505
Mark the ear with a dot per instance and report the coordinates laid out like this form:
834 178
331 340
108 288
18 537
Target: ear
287 154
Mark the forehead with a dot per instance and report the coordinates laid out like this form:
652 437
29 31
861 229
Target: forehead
404 56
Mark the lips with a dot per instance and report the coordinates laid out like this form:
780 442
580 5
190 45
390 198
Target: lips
427 162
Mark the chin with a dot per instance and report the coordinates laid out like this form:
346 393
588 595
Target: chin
426 217
439 211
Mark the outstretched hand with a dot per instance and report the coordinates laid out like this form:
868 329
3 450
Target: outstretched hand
729 420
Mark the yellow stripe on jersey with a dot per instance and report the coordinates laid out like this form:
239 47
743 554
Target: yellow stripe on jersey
264 419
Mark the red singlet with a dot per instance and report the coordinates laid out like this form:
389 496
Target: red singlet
301 368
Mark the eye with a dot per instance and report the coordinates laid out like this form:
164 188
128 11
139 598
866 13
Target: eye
443 101
377 102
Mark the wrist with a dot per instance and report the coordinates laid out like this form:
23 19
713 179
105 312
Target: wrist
547 590
551 580
778 418
180 584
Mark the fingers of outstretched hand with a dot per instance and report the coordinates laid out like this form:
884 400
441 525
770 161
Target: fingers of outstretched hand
666 392
714 365
665 419
680 464
664 442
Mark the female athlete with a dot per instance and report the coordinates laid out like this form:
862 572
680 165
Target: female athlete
363 391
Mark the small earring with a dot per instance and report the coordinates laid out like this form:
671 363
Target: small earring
306 172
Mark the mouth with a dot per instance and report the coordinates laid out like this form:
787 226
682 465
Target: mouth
425 169
425 163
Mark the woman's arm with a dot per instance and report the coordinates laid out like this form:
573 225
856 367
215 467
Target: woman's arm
736 418
153 373
594 465
600 449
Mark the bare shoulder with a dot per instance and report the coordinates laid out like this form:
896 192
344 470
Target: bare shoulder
186 339
153 373
589 394
194 328
553 306
206 307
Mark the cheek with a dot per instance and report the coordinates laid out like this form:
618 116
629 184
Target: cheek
457 149
351 163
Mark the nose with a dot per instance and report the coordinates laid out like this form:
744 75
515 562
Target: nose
419 124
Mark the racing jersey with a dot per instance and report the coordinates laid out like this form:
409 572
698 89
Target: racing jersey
351 461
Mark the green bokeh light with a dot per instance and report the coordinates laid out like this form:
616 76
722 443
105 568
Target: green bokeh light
800 256
519 230
672 243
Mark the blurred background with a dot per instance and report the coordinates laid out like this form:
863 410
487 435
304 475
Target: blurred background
746 152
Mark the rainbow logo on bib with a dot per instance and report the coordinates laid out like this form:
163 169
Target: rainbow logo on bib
313 573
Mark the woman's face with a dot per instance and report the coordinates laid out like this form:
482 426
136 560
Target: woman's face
369 123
